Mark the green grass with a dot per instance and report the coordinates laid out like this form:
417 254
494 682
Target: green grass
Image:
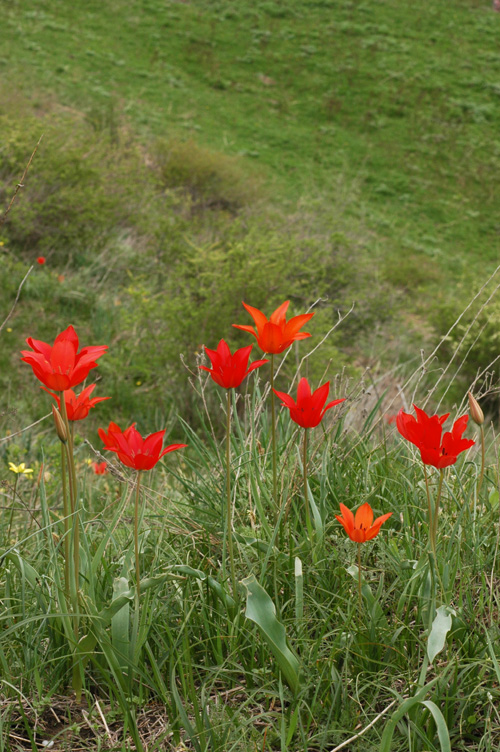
358 140
188 665
400 102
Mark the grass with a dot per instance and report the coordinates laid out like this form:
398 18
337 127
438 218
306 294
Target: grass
193 669
403 104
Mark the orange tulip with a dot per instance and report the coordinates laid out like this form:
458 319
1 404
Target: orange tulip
361 528
275 334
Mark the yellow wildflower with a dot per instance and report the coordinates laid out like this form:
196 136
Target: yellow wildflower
20 469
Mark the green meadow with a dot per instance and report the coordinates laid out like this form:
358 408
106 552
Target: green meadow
188 156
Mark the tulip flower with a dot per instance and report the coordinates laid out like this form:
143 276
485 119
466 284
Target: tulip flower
77 408
275 334
140 454
425 431
309 409
41 260
361 528
100 468
307 412
229 370
61 366
132 449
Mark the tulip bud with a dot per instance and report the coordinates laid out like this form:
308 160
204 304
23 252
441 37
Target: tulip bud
59 423
475 411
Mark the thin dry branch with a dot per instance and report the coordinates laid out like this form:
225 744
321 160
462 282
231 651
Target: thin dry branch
11 436
360 733
20 184
17 297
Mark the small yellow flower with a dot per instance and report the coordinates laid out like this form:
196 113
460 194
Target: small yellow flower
9 329
20 469
138 383
2 242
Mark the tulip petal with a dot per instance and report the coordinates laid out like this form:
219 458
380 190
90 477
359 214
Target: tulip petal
348 518
258 317
278 316
296 323
286 399
364 517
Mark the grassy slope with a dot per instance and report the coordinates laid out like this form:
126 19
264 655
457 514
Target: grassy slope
402 101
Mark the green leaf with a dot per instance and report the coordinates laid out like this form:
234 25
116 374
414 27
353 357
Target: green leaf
441 727
261 610
493 498
407 705
440 628
120 625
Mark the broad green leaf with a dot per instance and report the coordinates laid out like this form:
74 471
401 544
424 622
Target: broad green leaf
407 705
441 727
440 628
261 610
120 625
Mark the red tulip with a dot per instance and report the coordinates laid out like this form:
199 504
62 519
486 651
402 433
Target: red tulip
425 432
62 367
134 450
276 334
309 409
359 528
41 260
229 370
100 468
78 408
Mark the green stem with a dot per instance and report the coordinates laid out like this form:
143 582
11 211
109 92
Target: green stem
66 524
273 434
73 494
436 506
229 523
136 537
359 579
483 452
429 508
75 542
306 495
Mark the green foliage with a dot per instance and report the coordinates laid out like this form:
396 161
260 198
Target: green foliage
213 179
191 642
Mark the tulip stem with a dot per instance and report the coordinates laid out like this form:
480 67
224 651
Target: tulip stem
75 542
359 578
66 523
306 495
229 523
483 452
136 537
429 507
273 434
436 506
